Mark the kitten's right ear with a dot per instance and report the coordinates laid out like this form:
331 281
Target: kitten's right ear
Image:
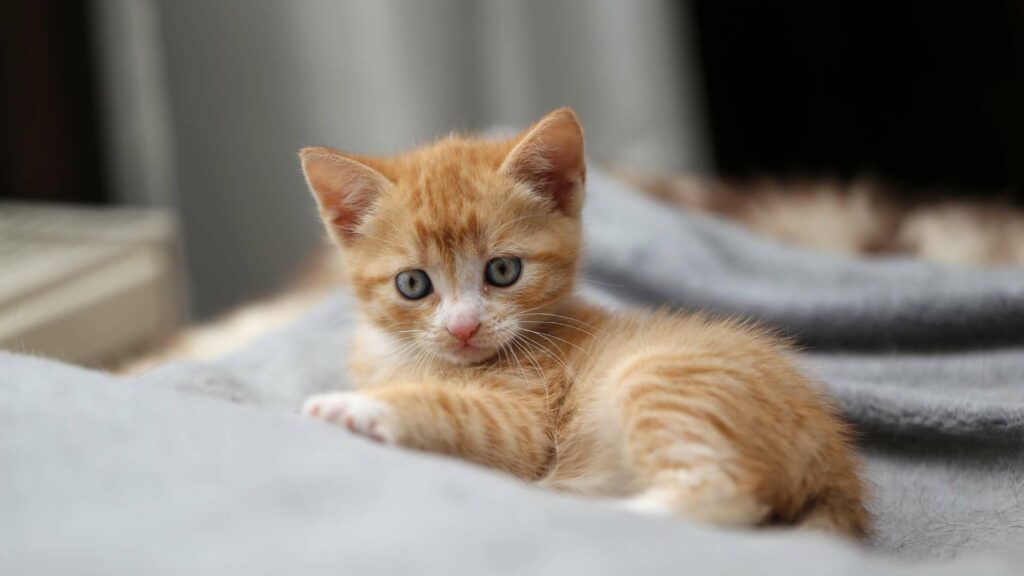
345 189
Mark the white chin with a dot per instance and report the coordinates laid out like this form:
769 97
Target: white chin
469 355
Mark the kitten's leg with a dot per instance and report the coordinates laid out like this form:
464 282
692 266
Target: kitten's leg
502 429
681 443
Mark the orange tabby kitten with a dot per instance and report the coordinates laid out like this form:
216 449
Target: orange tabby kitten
463 256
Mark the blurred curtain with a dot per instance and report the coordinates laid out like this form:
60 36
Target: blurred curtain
384 75
249 82
135 111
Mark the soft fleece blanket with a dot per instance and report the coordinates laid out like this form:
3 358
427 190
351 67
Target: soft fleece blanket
206 468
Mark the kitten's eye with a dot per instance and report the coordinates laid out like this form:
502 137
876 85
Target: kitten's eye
413 284
503 272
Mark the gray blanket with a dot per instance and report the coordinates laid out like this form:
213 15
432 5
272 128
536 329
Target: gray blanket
207 468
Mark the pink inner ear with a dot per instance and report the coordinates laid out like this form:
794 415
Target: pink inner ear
344 189
345 201
551 160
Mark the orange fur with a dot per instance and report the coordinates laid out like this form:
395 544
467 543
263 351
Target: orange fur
707 419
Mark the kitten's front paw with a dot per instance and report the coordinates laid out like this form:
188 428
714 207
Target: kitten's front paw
359 413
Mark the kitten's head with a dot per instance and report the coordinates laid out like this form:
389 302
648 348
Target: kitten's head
455 249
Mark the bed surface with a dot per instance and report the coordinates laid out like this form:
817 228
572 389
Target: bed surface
207 468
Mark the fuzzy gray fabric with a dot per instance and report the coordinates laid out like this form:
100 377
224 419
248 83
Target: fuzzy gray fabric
205 468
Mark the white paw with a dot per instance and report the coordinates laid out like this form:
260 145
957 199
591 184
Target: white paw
649 503
359 413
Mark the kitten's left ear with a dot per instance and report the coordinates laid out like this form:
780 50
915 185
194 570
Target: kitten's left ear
549 158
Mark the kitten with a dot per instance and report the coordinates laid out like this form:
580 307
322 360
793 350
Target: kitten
463 256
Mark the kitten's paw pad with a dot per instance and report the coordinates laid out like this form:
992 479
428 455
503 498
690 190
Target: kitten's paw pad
359 413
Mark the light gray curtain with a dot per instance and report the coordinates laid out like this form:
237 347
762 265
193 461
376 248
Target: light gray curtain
383 75
248 82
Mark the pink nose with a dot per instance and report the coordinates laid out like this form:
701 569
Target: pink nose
464 329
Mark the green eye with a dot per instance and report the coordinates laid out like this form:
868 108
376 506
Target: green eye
413 284
503 271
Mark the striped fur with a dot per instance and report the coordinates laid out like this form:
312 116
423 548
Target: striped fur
703 418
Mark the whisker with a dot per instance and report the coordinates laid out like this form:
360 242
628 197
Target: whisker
563 317
560 339
422 358
404 332
402 352
533 360
549 408
547 391
518 363
550 354
556 323
499 350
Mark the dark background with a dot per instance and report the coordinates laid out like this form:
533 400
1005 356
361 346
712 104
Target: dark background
927 96
921 94
50 141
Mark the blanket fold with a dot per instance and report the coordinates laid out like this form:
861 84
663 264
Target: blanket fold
826 301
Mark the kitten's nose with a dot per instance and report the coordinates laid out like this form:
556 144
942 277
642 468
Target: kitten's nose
463 329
